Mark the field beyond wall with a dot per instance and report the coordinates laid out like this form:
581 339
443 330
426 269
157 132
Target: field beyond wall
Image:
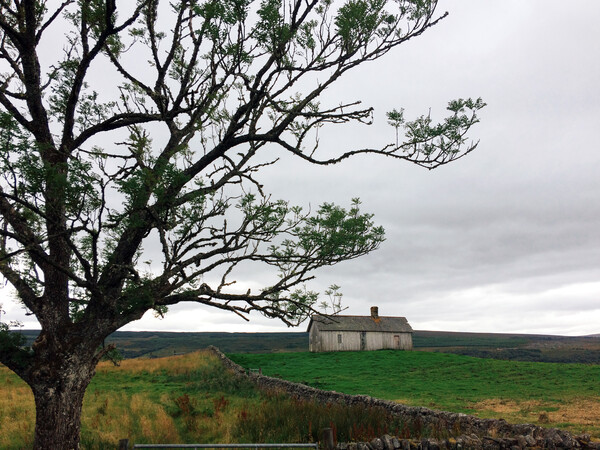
565 396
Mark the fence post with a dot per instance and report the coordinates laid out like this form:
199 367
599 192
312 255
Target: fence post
328 443
124 444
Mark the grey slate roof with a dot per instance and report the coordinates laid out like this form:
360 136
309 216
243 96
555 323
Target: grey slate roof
360 323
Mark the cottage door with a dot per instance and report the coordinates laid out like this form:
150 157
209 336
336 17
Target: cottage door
363 340
396 341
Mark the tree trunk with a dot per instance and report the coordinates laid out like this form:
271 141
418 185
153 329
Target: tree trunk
58 389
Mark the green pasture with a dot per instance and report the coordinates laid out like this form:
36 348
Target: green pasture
445 381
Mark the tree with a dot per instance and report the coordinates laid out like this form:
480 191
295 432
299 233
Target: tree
145 137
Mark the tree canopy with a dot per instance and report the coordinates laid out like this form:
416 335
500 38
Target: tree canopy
130 129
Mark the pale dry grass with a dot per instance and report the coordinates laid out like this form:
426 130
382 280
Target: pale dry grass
580 415
110 416
582 411
17 411
176 365
576 415
105 416
155 424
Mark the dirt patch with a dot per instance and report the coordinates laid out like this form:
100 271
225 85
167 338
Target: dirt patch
502 406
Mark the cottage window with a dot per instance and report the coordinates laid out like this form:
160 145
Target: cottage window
339 338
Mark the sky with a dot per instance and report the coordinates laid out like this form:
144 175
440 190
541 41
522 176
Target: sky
504 240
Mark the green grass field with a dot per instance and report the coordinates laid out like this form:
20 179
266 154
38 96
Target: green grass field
549 394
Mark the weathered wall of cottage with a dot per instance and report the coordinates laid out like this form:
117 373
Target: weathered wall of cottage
334 341
399 341
341 341
467 431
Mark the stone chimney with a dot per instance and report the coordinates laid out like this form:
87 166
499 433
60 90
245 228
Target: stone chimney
374 312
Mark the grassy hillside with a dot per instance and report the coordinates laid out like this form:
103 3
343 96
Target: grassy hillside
560 395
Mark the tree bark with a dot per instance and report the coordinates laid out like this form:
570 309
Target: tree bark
58 388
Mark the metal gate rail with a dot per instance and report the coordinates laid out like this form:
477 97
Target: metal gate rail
255 446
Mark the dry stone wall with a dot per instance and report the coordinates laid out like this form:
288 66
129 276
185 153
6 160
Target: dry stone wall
468 432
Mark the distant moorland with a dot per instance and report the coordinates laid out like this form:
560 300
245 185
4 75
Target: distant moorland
516 347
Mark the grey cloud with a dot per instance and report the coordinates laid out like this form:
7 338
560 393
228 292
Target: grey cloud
506 239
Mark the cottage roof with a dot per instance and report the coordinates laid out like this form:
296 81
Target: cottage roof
360 323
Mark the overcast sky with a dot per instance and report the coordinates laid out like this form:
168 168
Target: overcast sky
506 239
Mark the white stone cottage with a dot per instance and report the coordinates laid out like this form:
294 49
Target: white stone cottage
352 333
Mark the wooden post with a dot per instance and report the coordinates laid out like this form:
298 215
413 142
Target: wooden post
124 444
327 439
